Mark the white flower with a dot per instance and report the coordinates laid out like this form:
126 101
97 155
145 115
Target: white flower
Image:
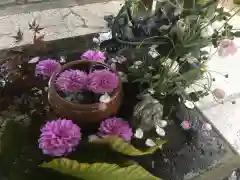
174 68
103 37
105 98
189 104
216 25
150 143
160 131
162 123
151 90
138 133
207 31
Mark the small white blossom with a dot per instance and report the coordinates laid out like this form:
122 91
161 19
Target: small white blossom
162 123
189 104
174 68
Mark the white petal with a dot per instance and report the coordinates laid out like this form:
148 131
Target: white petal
92 137
138 133
150 143
162 123
160 131
96 40
105 98
207 127
34 60
189 104
105 36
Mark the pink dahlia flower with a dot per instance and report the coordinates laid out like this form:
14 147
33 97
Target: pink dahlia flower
94 55
46 67
227 47
71 80
116 127
59 137
101 81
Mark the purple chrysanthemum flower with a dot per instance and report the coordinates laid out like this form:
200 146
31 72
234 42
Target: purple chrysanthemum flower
59 137
71 80
100 81
94 55
46 67
116 127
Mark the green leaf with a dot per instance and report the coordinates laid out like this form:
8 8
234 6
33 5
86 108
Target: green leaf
100 171
121 146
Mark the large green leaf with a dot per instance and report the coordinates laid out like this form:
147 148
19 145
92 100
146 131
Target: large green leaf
100 171
121 146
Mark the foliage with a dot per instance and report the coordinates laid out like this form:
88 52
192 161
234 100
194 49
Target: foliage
101 171
106 170
119 145
176 36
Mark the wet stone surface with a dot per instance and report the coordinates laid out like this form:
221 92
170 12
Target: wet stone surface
188 154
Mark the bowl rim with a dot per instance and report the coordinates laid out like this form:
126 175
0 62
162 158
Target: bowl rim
52 87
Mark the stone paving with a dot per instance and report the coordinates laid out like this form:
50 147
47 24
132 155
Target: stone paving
57 23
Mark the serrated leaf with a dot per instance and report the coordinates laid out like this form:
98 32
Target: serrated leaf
100 171
121 146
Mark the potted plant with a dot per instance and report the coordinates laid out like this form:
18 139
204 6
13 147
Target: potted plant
87 91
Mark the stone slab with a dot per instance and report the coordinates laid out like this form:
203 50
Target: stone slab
57 23
224 115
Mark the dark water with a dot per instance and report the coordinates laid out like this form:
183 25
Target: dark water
24 109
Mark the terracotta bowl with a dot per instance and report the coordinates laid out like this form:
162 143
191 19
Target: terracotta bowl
83 114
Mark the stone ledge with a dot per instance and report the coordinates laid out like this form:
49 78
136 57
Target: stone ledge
58 23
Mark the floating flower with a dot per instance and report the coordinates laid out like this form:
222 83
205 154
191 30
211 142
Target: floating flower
172 66
59 137
103 37
116 127
101 81
227 47
46 67
94 55
71 80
